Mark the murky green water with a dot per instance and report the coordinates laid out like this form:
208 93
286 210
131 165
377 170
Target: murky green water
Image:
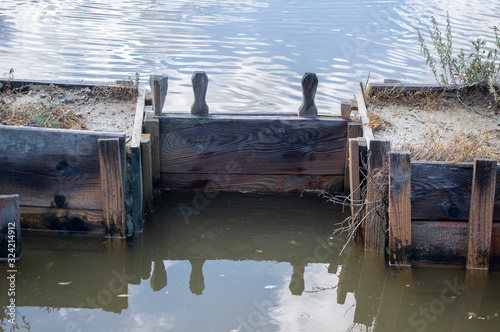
241 263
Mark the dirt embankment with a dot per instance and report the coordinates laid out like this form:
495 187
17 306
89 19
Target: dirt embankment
450 125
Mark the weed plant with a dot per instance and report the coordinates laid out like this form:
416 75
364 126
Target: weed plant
480 67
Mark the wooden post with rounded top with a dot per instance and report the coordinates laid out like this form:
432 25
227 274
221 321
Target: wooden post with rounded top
309 87
200 85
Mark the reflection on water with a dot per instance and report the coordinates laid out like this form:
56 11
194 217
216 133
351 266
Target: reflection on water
255 52
243 263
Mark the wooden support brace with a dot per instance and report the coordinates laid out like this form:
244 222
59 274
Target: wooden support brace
159 87
112 187
354 130
354 179
10 228
200 85
399 208
147 172
345 110
375 223
481 214
309 86
152 127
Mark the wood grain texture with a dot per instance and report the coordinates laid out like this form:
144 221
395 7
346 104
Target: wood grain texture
255 182
152 127
147 172
252 145
200 85
345 109
399 208
441 191
159 88
481 214
309 86
59 219
112 187
354 178
375 224
10 228
52 167
354 130
138 119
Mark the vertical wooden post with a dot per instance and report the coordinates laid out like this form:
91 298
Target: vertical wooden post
200 85
159 87
375 223
354 130
10 228
147 171
481 214
399 208
112 187
354 180
345 110
152 127
309 86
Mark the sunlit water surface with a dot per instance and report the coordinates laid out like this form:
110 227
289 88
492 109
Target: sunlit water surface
243 263
255 52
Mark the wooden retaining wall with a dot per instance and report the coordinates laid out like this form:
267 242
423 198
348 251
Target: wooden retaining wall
437 212
57 175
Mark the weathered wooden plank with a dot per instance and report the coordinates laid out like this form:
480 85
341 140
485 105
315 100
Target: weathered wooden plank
112 187
376 87
354 178
137 191
481 214
363 113
252 182
138 119
375 224
200 85
440 191
345 109
496 208
152 127
399 208
159 87
52 167
249 145
147 172
309 86
354 130
60 219
10 228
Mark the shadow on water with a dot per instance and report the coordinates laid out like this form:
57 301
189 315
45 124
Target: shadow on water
238 263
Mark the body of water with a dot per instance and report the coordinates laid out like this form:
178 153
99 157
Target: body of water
254 52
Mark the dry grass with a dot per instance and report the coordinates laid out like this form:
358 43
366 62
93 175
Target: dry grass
459 147
41 115
123 92
426 100
377 122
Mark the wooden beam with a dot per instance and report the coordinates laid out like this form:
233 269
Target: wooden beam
61 219
221 144
345 110
375 223
354 130
159 87
363 113
112 187
354 178
147 172
152 127
10 230
139 118
200 85
399 208
309 86
481 214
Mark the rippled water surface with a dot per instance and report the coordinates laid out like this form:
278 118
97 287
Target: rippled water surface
255 52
